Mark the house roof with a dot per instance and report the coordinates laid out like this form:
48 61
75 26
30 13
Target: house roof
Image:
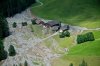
55 28
53 23
65 27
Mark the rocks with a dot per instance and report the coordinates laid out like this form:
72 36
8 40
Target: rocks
28 47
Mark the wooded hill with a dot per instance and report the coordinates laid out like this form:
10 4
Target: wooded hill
10 7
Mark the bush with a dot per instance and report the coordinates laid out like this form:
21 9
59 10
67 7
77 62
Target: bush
33 21
12 51
71 64
86 37
83 63
64 34
14 25
90 36
24 23
61 35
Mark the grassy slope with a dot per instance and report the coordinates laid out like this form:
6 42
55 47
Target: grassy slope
37 30
76 60
88 48
88 51
64 42
78 12
75 54
96 33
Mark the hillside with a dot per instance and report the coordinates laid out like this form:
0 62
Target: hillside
37 38
9 8
78 12
87 48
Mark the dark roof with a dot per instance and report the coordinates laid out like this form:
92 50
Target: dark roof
47 25
55 28
65 27
53 23
41 22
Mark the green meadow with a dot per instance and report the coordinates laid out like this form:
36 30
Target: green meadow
90 48
85 13
76 60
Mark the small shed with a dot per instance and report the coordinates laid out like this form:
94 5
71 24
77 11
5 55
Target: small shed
55 28
53 23
65 27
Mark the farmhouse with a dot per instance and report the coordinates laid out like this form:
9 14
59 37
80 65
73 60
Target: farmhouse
55 28
63 28
55 25
38 21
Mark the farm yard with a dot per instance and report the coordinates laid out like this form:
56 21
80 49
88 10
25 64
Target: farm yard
66 48
71 14
44 35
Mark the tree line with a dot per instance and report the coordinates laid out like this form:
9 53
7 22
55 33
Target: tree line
4 32
4 29
10 7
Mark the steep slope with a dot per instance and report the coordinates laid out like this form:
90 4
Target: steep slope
75 12
9 8
88 48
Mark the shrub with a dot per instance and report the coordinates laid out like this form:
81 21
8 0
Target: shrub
90 36
83 63
33 21
12 51
86 37
14 25
64 34
24 23
71 64
61 35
